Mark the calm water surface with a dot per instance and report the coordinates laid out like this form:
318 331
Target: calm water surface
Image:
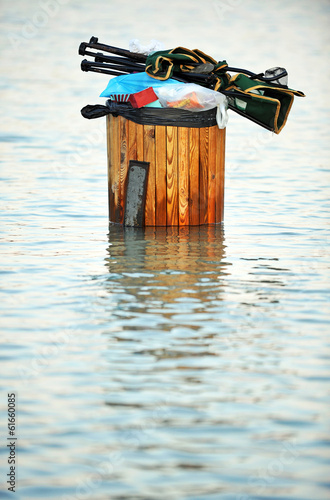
164 364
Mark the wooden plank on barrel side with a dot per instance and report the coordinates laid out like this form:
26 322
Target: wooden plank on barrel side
132 145
172 176
160 156
131 148
139 141
149 156
211 195
110 167
115 166
194 176
203 174
220 178
123 167
223 169
183 175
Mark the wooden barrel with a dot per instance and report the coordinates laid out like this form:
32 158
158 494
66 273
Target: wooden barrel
186 171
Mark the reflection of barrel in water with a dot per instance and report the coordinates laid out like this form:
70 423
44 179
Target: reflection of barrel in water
167 262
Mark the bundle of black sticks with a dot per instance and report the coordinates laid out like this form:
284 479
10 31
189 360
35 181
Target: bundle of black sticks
124 61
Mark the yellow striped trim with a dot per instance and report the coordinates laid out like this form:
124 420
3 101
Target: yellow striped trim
191 56
287 114
150 72
280 89
221 67
203 55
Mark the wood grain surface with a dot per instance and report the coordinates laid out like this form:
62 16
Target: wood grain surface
186 171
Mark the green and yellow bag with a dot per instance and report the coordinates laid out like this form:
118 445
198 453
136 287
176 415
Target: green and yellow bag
263 102
162 64
267 104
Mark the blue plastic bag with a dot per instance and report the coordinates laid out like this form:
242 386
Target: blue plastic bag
132 83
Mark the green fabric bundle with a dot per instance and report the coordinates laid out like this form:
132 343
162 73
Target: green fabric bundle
162 64
265 103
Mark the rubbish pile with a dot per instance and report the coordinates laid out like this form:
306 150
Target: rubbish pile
186 80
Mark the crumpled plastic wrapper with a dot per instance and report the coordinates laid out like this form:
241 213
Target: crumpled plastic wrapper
153 46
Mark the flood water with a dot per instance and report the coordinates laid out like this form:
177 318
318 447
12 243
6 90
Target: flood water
164 364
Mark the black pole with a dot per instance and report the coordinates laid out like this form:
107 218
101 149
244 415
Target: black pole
258 76
93 44
99 57
127 68
88 66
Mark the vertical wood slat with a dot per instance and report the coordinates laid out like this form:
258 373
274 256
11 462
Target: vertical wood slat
218 214
132 142
203 174
160 160
110 166
139 142
223 149
194 177
116 151
149 156
172 176
183 175
211 190
115 168
123 131
220 175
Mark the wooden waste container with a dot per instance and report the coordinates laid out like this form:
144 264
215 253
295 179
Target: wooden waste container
185 183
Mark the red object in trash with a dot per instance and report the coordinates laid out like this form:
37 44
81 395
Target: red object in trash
142 98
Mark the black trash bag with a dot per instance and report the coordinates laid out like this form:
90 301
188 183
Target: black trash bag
153 116
94 111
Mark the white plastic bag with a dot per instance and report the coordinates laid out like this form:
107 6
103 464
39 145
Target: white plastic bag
154 46
193 97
